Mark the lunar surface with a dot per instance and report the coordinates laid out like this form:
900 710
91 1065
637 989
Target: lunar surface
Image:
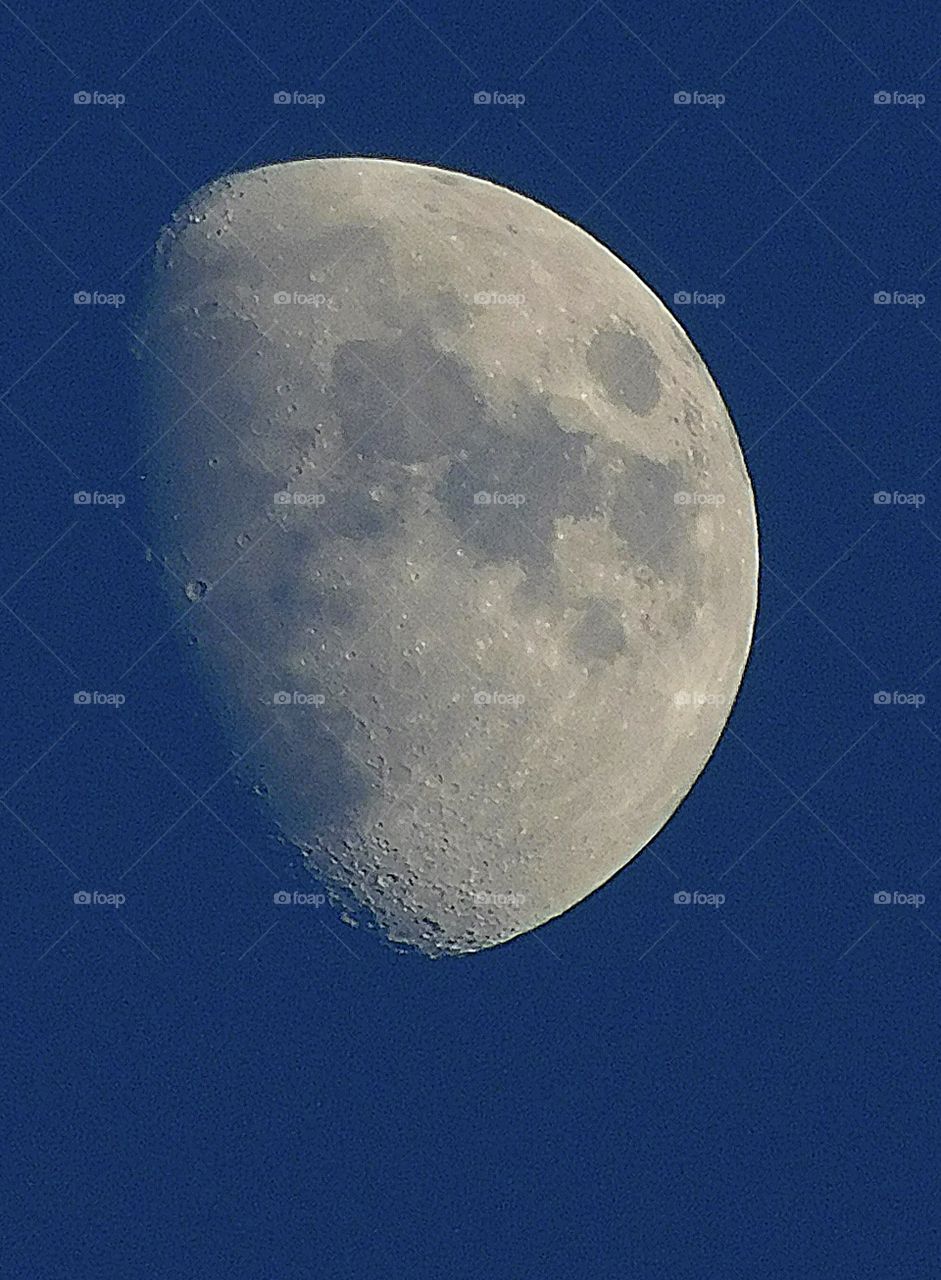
459 528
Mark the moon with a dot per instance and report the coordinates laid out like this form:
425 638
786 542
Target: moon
459 528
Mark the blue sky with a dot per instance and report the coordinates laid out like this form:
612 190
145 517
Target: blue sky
643 1087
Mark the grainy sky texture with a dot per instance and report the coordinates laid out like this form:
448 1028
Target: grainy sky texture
725 1062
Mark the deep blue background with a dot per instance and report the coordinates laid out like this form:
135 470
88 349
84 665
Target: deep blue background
203 1086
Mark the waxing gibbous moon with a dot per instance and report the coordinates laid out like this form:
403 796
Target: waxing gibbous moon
461 529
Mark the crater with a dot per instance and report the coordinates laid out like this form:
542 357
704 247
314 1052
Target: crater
627 368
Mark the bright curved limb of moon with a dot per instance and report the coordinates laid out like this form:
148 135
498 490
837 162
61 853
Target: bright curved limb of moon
468 543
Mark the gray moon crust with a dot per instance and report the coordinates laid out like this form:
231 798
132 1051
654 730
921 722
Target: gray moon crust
493 706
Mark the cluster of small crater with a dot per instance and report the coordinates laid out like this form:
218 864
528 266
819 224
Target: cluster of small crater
627 368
